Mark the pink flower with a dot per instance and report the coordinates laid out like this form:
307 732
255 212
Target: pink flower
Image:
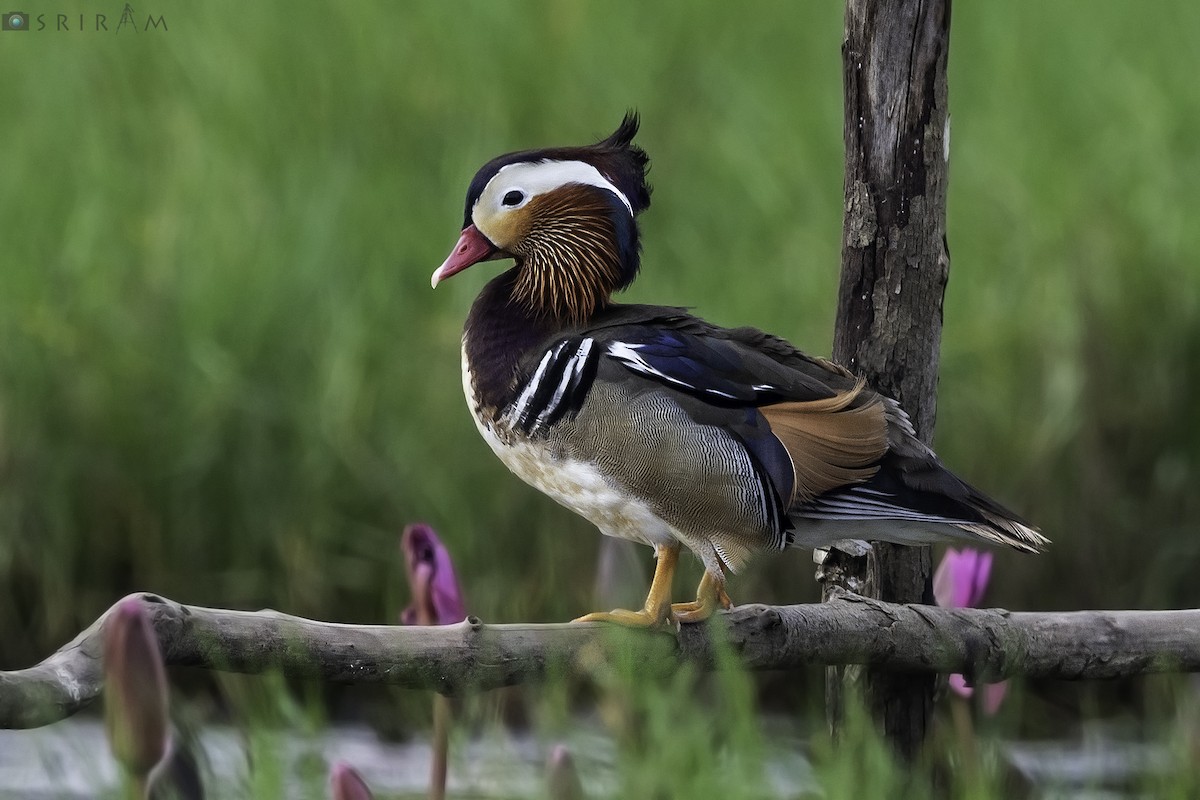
436 600
959 582
991 694
135 690
436 596
961 578
562 781
346 784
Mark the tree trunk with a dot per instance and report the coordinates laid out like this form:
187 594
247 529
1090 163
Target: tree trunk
894 269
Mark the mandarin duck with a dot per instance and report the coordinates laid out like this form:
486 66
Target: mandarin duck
660 427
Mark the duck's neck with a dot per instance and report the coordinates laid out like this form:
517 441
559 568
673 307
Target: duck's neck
501 329
569 284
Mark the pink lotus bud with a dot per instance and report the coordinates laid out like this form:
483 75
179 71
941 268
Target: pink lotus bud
959 582
562 780
991 695
436 596
135 689
346 784
961 578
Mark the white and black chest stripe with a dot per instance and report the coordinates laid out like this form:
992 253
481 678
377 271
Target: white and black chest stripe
558 387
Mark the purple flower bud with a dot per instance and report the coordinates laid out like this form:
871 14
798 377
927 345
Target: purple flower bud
961 578
959 582
991 694
562 780
135 689
346 784
436 596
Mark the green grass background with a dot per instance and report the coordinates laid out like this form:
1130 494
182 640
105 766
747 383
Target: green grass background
223 375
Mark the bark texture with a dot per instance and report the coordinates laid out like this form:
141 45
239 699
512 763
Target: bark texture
895 265
983 644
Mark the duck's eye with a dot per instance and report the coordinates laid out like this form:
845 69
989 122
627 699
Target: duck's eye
513 198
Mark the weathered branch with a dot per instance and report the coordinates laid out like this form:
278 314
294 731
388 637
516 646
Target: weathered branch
988 644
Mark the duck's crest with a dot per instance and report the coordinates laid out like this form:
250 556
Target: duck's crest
615 156
624 163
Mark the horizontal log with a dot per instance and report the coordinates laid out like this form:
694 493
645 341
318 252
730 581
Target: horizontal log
984 644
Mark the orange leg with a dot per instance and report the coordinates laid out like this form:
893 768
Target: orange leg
710 595
658 602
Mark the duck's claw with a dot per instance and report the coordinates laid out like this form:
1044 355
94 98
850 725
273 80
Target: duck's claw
710 595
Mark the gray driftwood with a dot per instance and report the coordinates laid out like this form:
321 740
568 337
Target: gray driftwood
987 644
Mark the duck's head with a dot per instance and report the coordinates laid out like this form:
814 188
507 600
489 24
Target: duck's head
566 215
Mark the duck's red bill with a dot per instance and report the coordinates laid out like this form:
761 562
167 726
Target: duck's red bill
472 248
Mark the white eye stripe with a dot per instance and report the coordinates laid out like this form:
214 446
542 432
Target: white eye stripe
534 178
